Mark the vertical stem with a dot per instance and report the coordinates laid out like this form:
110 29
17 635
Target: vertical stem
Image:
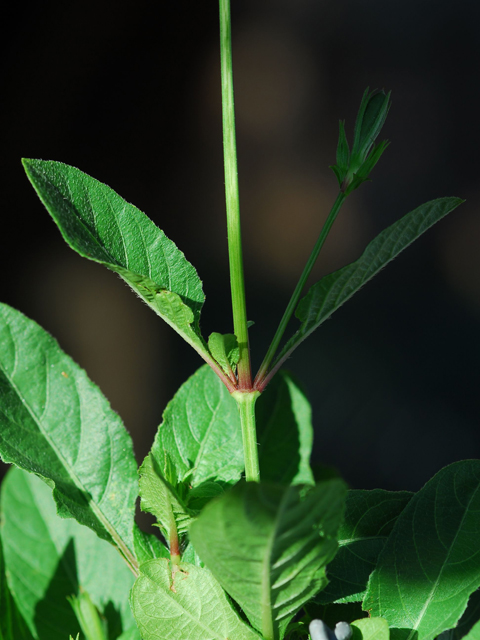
237 284
263 371
246 406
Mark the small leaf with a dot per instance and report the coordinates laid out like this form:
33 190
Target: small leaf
268 545
285 432
49 558
200 435
370 629
101 226
88 617
224 348
327 295
184 602
431 562
148 546
56 423
369 519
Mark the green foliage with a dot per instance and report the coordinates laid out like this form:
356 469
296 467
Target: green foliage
368 522
268 546
53 418
238 560
431 563
50 559
186 603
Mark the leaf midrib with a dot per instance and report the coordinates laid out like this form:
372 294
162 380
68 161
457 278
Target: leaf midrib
122 546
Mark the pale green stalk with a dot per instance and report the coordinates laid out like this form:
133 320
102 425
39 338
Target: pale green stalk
246 406
237 284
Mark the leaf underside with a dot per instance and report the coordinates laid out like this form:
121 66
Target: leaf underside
49 559
431 562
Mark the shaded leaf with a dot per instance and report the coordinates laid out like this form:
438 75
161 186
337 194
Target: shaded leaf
431 562
56 423
12 625
268 545
101 226
224 348
474 633
148 546
49 559
284 432
369 519
327 295
184 603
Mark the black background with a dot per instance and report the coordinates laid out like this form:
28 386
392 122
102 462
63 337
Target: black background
130 93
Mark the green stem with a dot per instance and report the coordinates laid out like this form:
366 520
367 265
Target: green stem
232 201
263 371
246 405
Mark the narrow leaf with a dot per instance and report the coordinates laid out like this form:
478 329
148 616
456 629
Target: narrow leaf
184 603
101 226
327 295
268 545
49 559
285 432
56 423
370 629
369 520
431 562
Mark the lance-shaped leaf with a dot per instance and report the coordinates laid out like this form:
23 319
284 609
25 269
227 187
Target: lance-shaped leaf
101 226
224 348
369 520
56 423
49 559
184 602
327 295
284 432
431 562
268 546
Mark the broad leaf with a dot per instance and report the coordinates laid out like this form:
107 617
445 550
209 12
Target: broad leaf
200 436
370 629
56 423
431 562
184 602
369 519
268 546
285 432
101 226
327 295
49 559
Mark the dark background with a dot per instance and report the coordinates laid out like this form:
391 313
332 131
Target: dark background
129 91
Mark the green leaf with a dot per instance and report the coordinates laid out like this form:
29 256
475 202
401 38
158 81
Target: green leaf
285 432
474 633
56 423
49 558
327 295
184 603
370 629
101 226
148 546
91 624
469 618
12 625
224 348
268 546
200 436
431 562
369 520
333 613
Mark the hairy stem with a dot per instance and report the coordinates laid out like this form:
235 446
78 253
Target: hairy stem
232 201
246 405
261 377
